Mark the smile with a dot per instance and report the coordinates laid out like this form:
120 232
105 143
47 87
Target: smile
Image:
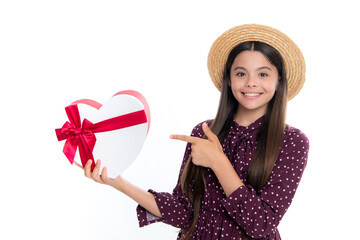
251 95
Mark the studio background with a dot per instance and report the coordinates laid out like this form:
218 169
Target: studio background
55 52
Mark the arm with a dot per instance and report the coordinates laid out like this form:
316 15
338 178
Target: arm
140 196
259 213
226 174
174 209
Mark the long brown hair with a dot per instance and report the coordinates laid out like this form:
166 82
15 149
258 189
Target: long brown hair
269 136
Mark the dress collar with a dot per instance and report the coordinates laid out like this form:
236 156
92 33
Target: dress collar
236 129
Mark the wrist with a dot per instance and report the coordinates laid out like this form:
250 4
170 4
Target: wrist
118 183
227 176
219 162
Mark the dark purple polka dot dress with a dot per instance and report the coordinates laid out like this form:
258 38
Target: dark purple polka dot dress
245 211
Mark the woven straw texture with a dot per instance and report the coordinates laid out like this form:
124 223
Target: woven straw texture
292 56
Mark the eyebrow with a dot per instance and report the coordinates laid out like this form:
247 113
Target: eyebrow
258 69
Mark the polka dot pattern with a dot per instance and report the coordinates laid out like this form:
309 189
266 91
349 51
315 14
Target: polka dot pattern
256 214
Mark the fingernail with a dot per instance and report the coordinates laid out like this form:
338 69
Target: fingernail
171 136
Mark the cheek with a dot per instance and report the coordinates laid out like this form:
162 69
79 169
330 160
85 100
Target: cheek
235 88
271 86
234 84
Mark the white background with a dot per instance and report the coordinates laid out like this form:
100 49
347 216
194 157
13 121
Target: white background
55 52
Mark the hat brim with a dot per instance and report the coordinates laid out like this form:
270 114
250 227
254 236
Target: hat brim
291 54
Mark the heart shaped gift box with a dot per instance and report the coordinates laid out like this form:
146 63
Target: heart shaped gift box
114 132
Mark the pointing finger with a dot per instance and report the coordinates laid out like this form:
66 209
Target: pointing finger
184 138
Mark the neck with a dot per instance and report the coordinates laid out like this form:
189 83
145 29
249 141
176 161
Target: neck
245 117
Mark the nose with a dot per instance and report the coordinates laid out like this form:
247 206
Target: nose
251 82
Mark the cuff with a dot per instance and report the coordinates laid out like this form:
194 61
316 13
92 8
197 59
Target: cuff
145 217
232 202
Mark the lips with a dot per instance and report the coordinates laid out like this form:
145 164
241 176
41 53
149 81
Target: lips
251 95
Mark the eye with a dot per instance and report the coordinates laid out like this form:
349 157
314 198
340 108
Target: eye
263 75
240 74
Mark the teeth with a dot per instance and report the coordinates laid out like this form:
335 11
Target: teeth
251 94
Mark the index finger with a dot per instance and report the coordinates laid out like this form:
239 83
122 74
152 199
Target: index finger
183 138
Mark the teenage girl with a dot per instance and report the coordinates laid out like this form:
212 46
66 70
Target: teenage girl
240 170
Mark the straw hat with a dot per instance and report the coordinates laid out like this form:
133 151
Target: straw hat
291 54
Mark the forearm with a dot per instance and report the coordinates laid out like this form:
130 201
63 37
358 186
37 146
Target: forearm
226 174
241 203
251 212
144 198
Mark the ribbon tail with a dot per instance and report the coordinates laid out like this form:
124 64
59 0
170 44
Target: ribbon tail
85 150
69 150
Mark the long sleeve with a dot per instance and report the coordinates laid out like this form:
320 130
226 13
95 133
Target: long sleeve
175 208
260 213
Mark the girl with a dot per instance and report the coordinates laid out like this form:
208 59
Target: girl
240 170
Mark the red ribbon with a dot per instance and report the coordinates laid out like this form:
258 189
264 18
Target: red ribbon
82 135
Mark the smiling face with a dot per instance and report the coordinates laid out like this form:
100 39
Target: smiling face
253 82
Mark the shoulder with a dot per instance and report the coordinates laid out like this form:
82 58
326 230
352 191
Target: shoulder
294 135
295 143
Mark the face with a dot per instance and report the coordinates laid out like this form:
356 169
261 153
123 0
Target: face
253 81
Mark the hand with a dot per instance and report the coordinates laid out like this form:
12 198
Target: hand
103 178
205 152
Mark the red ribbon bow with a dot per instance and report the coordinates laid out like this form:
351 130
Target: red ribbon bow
82 135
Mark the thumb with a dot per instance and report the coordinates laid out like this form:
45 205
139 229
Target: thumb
211 136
